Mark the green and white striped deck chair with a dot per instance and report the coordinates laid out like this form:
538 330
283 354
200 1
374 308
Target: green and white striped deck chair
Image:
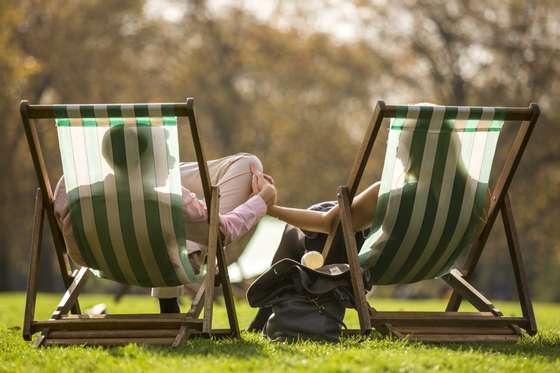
124 190
434 204
121 172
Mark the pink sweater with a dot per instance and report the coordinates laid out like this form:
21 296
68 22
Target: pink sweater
233 224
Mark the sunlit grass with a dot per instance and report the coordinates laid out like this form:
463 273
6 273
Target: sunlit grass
254 353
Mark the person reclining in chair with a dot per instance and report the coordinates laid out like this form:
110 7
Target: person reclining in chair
240 207
307 229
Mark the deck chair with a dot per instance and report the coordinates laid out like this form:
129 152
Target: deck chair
122 179
436 208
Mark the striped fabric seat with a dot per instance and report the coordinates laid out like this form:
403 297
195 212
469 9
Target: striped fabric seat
434 193
122 177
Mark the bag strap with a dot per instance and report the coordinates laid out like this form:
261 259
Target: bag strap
323 310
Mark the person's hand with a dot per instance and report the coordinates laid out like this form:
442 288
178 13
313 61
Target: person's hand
269 179
259 179
257 182
263 185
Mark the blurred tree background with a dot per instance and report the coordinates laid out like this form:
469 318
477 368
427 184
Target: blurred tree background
295 83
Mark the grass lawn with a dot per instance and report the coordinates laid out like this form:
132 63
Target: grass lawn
254 353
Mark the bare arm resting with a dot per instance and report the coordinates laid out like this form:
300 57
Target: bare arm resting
363 208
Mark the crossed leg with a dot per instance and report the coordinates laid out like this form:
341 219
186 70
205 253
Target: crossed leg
233 176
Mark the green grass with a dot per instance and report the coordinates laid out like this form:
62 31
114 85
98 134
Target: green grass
254 353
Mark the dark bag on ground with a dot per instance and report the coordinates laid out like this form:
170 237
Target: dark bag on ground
306 303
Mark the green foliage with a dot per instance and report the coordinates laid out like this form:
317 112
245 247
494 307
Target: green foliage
255 354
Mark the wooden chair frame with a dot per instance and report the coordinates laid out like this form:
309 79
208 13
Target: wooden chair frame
76 328
486 325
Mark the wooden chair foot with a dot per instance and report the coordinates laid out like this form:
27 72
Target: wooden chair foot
449 326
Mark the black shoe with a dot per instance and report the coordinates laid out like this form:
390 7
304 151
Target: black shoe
169 305
258 323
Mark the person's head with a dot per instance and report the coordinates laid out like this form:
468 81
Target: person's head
114 150
407 158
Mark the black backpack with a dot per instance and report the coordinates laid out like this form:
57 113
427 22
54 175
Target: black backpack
306 303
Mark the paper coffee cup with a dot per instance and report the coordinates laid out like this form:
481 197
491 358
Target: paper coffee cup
312 259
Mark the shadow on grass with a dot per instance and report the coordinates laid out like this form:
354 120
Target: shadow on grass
252 345
545 346
238 348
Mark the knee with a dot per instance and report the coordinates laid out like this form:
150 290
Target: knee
246 159
291 235
291 245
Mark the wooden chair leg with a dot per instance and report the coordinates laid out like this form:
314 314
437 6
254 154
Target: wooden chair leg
518 265
330 240
72 293
67 302
182 335
228 295
198 302
352 253
41 339
36 238
223 277
75 309
211 262
466 290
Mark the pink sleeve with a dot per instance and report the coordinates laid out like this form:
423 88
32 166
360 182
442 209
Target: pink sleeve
240 220
233 224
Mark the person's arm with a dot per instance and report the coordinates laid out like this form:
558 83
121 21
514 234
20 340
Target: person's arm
315 221
239 221
363 208
232 224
